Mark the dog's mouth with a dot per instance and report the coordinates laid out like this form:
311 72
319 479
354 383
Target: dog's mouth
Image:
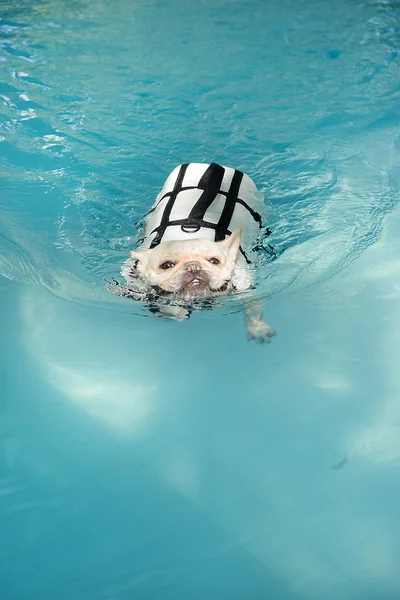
195 288
198 286
192 286
198 283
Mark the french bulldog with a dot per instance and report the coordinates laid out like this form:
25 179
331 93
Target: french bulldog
195 241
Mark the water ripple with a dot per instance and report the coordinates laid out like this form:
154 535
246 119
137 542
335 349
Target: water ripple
85 148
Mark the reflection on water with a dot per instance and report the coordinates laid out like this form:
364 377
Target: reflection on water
240 477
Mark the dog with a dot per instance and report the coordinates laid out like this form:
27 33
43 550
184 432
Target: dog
197 242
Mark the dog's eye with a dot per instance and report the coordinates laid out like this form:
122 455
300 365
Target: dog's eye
214 261
167 265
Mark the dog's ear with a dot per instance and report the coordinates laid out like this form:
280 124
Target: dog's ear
141 256
231 245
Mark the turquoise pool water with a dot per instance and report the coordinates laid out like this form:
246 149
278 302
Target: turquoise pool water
143 459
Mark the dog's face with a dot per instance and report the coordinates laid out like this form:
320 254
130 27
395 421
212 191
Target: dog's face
191 268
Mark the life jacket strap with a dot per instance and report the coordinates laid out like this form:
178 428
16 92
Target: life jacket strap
210 182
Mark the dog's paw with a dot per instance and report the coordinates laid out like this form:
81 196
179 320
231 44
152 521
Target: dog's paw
260 332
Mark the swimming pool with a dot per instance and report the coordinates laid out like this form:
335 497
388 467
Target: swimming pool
148 459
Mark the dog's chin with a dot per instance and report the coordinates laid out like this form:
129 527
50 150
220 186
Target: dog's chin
192 288
195 289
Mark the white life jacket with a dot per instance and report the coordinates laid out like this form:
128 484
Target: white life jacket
205 201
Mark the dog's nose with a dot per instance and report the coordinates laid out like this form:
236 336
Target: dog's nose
193 267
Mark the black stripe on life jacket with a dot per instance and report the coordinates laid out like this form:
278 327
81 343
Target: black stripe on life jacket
210 183
167 211
230 202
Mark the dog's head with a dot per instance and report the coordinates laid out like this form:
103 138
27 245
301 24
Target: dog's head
194 269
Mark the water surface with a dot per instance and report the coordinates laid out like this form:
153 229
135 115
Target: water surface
150 459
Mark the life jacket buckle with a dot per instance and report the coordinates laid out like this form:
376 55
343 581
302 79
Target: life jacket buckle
190 228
